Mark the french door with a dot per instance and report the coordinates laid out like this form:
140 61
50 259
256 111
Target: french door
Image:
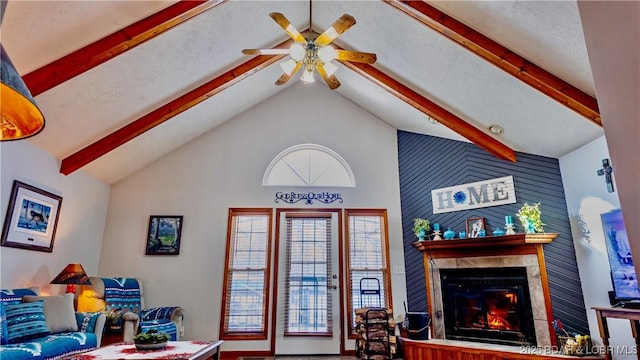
308 293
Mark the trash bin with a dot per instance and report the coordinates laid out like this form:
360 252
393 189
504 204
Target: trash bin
417 325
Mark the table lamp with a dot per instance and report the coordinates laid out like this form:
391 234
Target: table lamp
72 275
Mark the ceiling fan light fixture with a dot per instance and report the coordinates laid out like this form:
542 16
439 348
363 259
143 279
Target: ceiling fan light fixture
297 52
307 77
326 54
288 66
312 54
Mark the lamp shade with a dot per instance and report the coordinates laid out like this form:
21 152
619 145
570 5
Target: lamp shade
21 117
72 274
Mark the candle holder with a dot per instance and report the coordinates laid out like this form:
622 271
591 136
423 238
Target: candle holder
510 230
436 235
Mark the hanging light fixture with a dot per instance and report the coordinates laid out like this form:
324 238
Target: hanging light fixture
313 54
21 117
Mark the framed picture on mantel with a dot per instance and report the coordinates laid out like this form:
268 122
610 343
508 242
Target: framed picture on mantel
475 227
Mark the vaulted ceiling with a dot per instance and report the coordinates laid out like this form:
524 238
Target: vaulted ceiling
122 83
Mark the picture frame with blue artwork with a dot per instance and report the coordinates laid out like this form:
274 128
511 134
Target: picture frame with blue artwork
623 274
31 219
164 236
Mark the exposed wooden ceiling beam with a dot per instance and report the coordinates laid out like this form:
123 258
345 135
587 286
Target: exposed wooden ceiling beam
502 57
433 110
168 111
96 53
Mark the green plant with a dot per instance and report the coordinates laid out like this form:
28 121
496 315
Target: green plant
420 223
151 337
529 215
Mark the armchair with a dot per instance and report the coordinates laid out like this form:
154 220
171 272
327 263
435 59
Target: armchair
123 302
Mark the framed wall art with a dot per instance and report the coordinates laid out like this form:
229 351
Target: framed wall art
623 273
31 219
475 227
164 235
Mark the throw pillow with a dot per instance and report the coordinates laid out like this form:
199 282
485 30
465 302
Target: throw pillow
3 324
11 296
14 296
25 321
58 312
87 321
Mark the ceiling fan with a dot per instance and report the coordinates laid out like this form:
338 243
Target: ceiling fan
312 54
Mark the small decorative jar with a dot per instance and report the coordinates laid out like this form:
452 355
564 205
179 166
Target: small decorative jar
449 234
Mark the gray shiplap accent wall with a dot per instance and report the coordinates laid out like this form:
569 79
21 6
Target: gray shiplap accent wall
427 162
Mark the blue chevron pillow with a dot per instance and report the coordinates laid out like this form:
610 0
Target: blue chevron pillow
25 321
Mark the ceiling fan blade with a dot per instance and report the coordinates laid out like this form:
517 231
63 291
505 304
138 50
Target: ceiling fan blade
265 51
356 56
285 77
286 25
341 25
332 81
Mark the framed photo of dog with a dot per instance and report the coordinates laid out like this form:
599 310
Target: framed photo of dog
31 218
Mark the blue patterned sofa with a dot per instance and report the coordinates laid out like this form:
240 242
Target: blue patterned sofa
122 299
45 327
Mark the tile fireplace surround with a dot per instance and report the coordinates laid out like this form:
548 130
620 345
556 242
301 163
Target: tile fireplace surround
518 250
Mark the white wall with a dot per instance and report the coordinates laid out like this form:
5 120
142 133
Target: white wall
587 197
80 225
612 33
224 168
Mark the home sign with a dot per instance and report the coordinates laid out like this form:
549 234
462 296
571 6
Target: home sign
474 195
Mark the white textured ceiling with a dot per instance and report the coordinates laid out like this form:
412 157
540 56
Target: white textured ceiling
98 102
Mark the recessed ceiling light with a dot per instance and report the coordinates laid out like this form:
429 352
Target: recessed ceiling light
432 120
496 129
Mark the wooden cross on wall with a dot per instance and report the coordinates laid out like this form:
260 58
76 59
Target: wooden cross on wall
607 171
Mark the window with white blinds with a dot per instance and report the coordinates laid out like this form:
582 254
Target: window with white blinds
368 261
246 281
308 275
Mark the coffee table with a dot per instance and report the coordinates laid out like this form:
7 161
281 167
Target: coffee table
185 350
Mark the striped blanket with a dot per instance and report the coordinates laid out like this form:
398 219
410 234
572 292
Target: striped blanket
121 295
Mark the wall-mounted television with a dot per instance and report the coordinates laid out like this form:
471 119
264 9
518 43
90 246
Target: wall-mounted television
623 273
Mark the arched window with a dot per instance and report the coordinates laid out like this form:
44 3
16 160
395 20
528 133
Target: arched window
309 165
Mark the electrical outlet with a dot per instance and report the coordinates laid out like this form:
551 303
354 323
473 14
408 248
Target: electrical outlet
397 270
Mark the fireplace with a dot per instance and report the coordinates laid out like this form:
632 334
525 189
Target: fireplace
492 252
488 305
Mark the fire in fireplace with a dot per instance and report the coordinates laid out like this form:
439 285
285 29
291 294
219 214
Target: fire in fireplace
487 305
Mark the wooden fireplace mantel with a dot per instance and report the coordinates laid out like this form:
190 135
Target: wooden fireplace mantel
488 246
517 244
